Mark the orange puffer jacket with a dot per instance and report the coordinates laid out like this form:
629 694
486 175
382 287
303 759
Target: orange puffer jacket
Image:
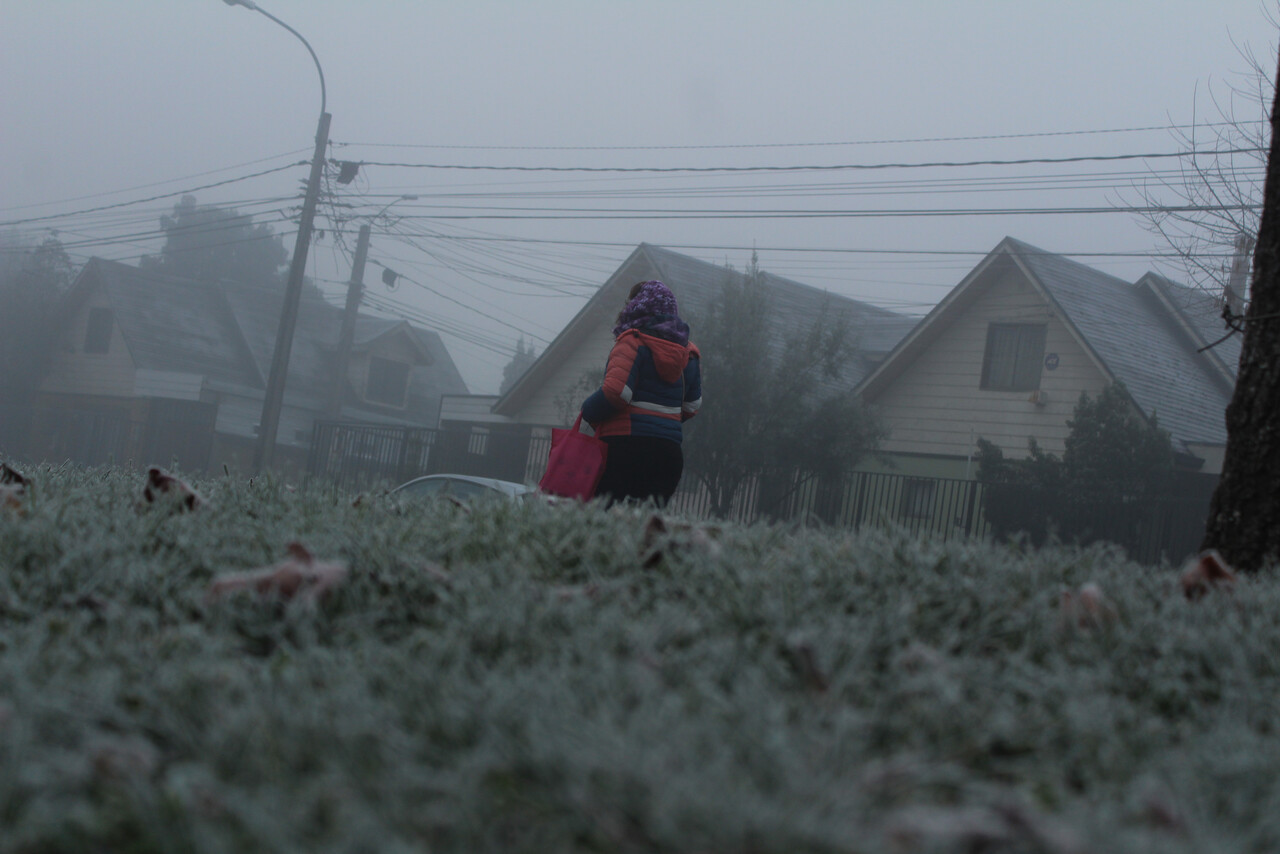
651 387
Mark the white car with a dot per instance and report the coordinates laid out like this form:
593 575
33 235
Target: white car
464 487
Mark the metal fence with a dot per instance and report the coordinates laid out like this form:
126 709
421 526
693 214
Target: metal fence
1166 528
361 456
364 456
153 431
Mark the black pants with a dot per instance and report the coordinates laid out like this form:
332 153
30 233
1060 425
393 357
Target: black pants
641 468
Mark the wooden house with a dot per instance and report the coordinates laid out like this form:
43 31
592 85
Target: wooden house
553 387
150 367
1007 353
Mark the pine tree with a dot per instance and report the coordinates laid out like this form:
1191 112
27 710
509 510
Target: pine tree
521 361
771 414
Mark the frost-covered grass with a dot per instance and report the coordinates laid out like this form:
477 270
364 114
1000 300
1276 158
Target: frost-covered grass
533 678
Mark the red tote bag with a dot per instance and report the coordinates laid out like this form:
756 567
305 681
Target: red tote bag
575 464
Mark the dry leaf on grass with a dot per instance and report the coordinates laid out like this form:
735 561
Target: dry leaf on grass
90 602
299 575
10 476
571 592
1206 573
1085 608
1005 827
121 759
662 537
161 483
1159 810
919 658
804 661
437 573
12 496
13 487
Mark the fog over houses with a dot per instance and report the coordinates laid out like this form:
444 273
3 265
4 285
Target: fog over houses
997 242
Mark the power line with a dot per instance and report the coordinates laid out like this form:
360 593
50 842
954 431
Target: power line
730 147
939 164
453 330
152 198
598 214
154 183
1041 183
727 247
432 290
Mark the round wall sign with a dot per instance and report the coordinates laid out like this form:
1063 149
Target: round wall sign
1051 362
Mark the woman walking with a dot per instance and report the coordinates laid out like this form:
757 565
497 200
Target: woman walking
652 385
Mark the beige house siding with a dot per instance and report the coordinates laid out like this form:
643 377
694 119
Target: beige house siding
915 465
73 371
937 406
174 385
1213 456
546 390
469 408
239 416
557 402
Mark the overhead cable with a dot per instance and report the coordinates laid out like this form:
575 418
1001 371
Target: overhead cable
974 138
937 164
155 183
187 191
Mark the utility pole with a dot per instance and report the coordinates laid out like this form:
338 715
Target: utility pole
355 289
273 400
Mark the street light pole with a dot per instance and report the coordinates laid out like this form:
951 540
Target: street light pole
273 398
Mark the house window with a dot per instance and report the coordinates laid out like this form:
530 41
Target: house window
388 382
1014 357
478 441
97 335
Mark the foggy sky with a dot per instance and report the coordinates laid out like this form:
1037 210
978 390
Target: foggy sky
109 101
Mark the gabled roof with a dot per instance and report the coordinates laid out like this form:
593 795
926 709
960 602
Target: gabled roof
311 361
1128 329
172 324
696 285
226 331
1200 315
370 330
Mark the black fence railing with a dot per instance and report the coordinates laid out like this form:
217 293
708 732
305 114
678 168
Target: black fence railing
364 456
143 432
1167 528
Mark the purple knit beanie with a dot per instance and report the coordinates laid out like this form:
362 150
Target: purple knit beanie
653 311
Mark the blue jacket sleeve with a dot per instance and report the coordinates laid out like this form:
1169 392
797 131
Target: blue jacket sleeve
692 388
597 408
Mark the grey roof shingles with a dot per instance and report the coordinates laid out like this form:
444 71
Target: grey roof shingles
697 285
794 303
175 324
1202 312
226 332
1137 342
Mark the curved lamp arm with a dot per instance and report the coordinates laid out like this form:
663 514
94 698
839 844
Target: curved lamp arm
249 4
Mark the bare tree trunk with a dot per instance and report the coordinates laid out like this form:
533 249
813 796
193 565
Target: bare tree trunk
1244 519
